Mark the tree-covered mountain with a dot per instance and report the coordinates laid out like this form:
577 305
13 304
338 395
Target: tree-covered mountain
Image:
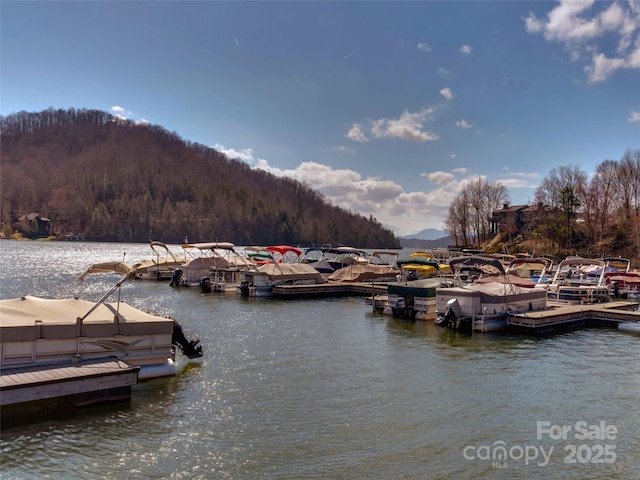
109 179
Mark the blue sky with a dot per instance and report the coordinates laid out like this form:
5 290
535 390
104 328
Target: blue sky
387 108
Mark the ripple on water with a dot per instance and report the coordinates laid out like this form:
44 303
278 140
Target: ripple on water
318 389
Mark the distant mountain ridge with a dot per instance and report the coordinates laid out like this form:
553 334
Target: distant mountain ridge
427 234
427 239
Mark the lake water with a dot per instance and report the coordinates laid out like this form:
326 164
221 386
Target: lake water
327 389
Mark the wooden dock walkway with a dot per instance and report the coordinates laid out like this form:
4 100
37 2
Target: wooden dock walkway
82 383
329 289
552 320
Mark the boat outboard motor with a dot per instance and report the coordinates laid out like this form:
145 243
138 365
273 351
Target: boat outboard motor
451 317
616 289
205 285
401 307
244 289
176 278
190 348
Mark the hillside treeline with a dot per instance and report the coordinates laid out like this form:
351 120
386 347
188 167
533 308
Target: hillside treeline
578 213
109 179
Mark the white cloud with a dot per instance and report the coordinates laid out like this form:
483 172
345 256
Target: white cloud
342 149
401 211
463 124
532 24
355 134
443 179
404 212
447 93
574 24
423 47
122 113
602 67
466 49
634 117
246 154
407 127
443 72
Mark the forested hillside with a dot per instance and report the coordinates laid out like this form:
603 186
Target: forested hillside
110 179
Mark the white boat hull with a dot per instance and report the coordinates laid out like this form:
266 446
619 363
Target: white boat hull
485 306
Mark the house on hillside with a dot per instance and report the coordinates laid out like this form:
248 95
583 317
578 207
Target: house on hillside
34 226
508 219
519 219
535 215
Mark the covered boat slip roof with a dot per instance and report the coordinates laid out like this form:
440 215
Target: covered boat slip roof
30 318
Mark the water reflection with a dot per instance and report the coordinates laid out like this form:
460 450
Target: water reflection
318 389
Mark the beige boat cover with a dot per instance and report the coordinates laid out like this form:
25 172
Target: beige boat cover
30 318
109 267
363 273
284 270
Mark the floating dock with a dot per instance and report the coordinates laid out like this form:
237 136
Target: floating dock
329 289
82 383
571 317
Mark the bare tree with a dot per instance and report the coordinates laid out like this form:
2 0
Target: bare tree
470 213
599 200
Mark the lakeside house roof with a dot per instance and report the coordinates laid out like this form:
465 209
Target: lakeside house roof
512 208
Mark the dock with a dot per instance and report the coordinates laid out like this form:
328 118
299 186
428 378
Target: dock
329 289
82 383
571 317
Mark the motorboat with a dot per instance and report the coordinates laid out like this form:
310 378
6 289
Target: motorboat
622 281
65 330
161 265
535 269
483 304
365 272
624 284
329 259
421 265
284 269
414 299
579 280
212 266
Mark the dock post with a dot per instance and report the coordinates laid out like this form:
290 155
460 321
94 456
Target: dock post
373 297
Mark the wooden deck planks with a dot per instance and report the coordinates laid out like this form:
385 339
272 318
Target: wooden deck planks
329 289
612 312
36 382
